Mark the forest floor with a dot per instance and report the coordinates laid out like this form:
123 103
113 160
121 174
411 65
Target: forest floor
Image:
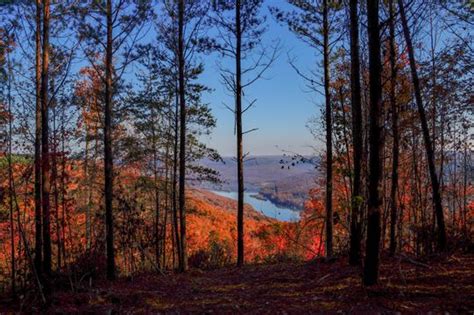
442 284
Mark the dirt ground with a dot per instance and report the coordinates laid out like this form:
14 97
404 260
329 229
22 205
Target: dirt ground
406 285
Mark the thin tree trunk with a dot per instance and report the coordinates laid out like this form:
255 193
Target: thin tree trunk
63 192
108 158
10 181
395 149
329 212
88 191
38 260
357 200
465 184
345 137
27 247
372 259
175 179
157 194
54 179
400 227
45 169
238 117
166 193
441 233
183 264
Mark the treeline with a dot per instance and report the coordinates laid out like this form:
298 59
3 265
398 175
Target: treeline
102 120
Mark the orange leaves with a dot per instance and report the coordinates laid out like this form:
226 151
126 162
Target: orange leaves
89 91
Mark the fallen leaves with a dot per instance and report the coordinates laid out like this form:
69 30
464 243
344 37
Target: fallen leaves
286 288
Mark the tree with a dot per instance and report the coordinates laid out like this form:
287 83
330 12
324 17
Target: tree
357 200
328 113
238 118
45 165
441 232
38 212
156 112
371 266
108 158
97 25
6 132
183 264
240 33
88 97
395 148
155 117
313 23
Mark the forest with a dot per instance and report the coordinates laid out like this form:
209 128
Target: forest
108 179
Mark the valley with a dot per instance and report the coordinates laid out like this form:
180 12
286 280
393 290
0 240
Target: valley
280 179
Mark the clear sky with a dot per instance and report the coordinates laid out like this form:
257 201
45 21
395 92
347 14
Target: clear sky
283 105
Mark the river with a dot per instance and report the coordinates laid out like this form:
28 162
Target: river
266 207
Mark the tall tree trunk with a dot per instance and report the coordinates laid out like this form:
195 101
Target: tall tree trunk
54 179
108 158
395 149
63 190
371 266
38 261
45 169
157 193
354 256
441 233
183 264
88 191
238 117
329 213
175 179
166 193
10 180
466 168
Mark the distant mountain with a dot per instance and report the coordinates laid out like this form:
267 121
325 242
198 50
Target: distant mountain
284 180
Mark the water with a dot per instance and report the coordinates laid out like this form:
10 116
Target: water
266 207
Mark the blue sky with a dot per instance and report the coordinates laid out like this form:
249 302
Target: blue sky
283 105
